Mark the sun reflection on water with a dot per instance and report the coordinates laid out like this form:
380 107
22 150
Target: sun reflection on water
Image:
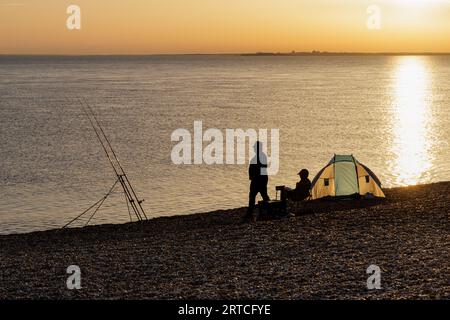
412 121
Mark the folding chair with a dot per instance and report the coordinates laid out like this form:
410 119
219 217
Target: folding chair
293 200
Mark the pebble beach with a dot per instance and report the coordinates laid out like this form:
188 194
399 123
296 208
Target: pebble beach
322 253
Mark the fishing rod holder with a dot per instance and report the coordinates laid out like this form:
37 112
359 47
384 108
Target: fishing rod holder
132 200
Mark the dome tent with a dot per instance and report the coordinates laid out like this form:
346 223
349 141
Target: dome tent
344 176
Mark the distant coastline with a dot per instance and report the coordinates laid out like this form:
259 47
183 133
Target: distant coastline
326 53
248 54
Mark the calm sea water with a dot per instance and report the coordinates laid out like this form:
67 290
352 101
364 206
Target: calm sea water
391 112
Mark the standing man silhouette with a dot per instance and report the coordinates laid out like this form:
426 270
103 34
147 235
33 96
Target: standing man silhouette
257 172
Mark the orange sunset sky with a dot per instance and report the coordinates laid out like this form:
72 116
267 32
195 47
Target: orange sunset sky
222 26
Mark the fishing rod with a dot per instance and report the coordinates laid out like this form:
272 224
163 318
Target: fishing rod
98 204
123 175
131 197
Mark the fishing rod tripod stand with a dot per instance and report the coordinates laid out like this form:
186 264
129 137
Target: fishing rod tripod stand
133 203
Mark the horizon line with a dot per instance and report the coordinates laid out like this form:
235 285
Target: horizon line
258 53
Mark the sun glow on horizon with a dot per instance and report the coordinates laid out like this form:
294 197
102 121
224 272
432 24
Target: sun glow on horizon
231 26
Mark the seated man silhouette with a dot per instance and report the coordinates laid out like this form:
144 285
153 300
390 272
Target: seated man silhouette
302 188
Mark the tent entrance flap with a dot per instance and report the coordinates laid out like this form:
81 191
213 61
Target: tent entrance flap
346 181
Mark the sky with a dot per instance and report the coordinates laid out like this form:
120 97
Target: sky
223 26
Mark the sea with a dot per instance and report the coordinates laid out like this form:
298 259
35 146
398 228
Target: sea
390 111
